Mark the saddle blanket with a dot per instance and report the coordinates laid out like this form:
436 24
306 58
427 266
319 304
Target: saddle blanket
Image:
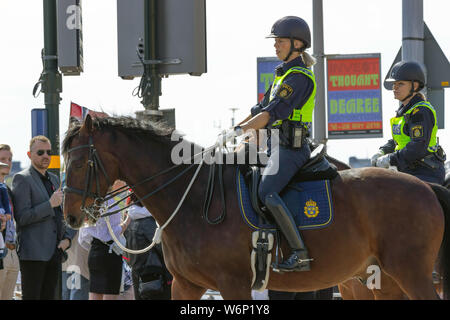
309 202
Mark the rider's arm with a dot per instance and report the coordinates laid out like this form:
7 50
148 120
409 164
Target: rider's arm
257 122
245 120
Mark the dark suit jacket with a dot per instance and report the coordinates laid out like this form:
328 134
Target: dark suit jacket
36 222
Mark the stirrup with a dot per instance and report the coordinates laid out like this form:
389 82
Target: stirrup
300 258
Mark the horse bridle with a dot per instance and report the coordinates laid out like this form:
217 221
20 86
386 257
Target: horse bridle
94 164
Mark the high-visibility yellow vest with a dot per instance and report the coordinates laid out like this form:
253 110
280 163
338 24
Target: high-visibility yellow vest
401 139
303 113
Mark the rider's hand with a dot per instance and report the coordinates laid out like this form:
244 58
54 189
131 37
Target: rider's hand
228 135
383 162
373 160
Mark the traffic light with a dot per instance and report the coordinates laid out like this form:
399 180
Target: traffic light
180 37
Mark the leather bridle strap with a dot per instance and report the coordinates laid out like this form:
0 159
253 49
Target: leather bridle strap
94 163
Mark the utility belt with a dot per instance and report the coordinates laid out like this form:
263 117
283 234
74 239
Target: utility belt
429 161
295 132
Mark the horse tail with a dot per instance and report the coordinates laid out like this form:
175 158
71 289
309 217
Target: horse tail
443 196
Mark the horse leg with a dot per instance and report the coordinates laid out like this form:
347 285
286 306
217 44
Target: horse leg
353 289
389 289
234 289
345 291
415 282
183 289
420 289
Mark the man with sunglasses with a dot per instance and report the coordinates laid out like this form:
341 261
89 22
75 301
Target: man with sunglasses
42 235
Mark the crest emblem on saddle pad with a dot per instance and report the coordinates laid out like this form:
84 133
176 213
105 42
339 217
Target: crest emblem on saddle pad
311 209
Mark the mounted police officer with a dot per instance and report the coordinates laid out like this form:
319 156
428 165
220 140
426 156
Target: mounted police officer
414 148
287 107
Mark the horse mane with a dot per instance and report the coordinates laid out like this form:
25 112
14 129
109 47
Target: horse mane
127 125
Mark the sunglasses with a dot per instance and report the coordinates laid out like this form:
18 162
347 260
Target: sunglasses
41 152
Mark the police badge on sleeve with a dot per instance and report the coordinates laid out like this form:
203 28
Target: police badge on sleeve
285 91
417 131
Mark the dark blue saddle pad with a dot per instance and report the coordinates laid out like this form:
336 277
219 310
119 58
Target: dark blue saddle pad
309 202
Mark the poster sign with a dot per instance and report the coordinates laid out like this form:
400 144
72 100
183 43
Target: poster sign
354 96
265 74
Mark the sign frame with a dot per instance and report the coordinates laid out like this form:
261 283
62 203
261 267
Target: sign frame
358 134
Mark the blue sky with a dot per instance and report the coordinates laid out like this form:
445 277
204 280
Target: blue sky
236 33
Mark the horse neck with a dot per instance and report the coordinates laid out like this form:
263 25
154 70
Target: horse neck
140 160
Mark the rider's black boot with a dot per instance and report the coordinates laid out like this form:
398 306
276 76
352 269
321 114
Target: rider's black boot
298 260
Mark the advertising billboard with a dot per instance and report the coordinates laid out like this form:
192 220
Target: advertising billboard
265 74
354 96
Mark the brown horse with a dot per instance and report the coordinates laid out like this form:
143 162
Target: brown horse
357 289
379 215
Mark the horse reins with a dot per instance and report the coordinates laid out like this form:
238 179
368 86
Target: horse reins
94 163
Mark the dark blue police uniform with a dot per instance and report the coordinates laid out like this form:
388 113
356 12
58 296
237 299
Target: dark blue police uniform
284 161
408 158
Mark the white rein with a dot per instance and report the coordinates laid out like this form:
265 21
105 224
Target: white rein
158 232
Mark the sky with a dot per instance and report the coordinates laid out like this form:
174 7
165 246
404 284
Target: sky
236 33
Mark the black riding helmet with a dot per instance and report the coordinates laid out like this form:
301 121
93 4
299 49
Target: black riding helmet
407 71
292 27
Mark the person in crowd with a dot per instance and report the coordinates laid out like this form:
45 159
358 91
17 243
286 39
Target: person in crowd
5 211
126 290
287 109
104 261
42 235
414 147
75 275
151 279
10 271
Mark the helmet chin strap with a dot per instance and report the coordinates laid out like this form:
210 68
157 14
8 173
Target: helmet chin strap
292 50
411 92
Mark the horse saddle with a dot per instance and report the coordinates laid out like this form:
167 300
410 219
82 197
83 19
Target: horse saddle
307 195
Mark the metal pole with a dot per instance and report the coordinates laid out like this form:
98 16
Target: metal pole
319 124
52 82
152 79
413 31
233 110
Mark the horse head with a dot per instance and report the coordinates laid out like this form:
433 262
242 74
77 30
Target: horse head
91 168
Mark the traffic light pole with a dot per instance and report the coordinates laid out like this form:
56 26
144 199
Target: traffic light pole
152 81
413 32
51 82
319 124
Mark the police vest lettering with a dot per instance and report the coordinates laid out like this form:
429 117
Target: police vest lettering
303 113
401 139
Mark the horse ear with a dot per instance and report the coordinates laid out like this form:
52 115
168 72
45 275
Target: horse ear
87 127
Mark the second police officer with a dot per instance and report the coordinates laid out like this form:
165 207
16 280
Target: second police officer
288 107
414 147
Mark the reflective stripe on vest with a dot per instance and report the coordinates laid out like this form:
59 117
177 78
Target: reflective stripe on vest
301 113
402 139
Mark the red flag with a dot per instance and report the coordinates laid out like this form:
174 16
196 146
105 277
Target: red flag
76 111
